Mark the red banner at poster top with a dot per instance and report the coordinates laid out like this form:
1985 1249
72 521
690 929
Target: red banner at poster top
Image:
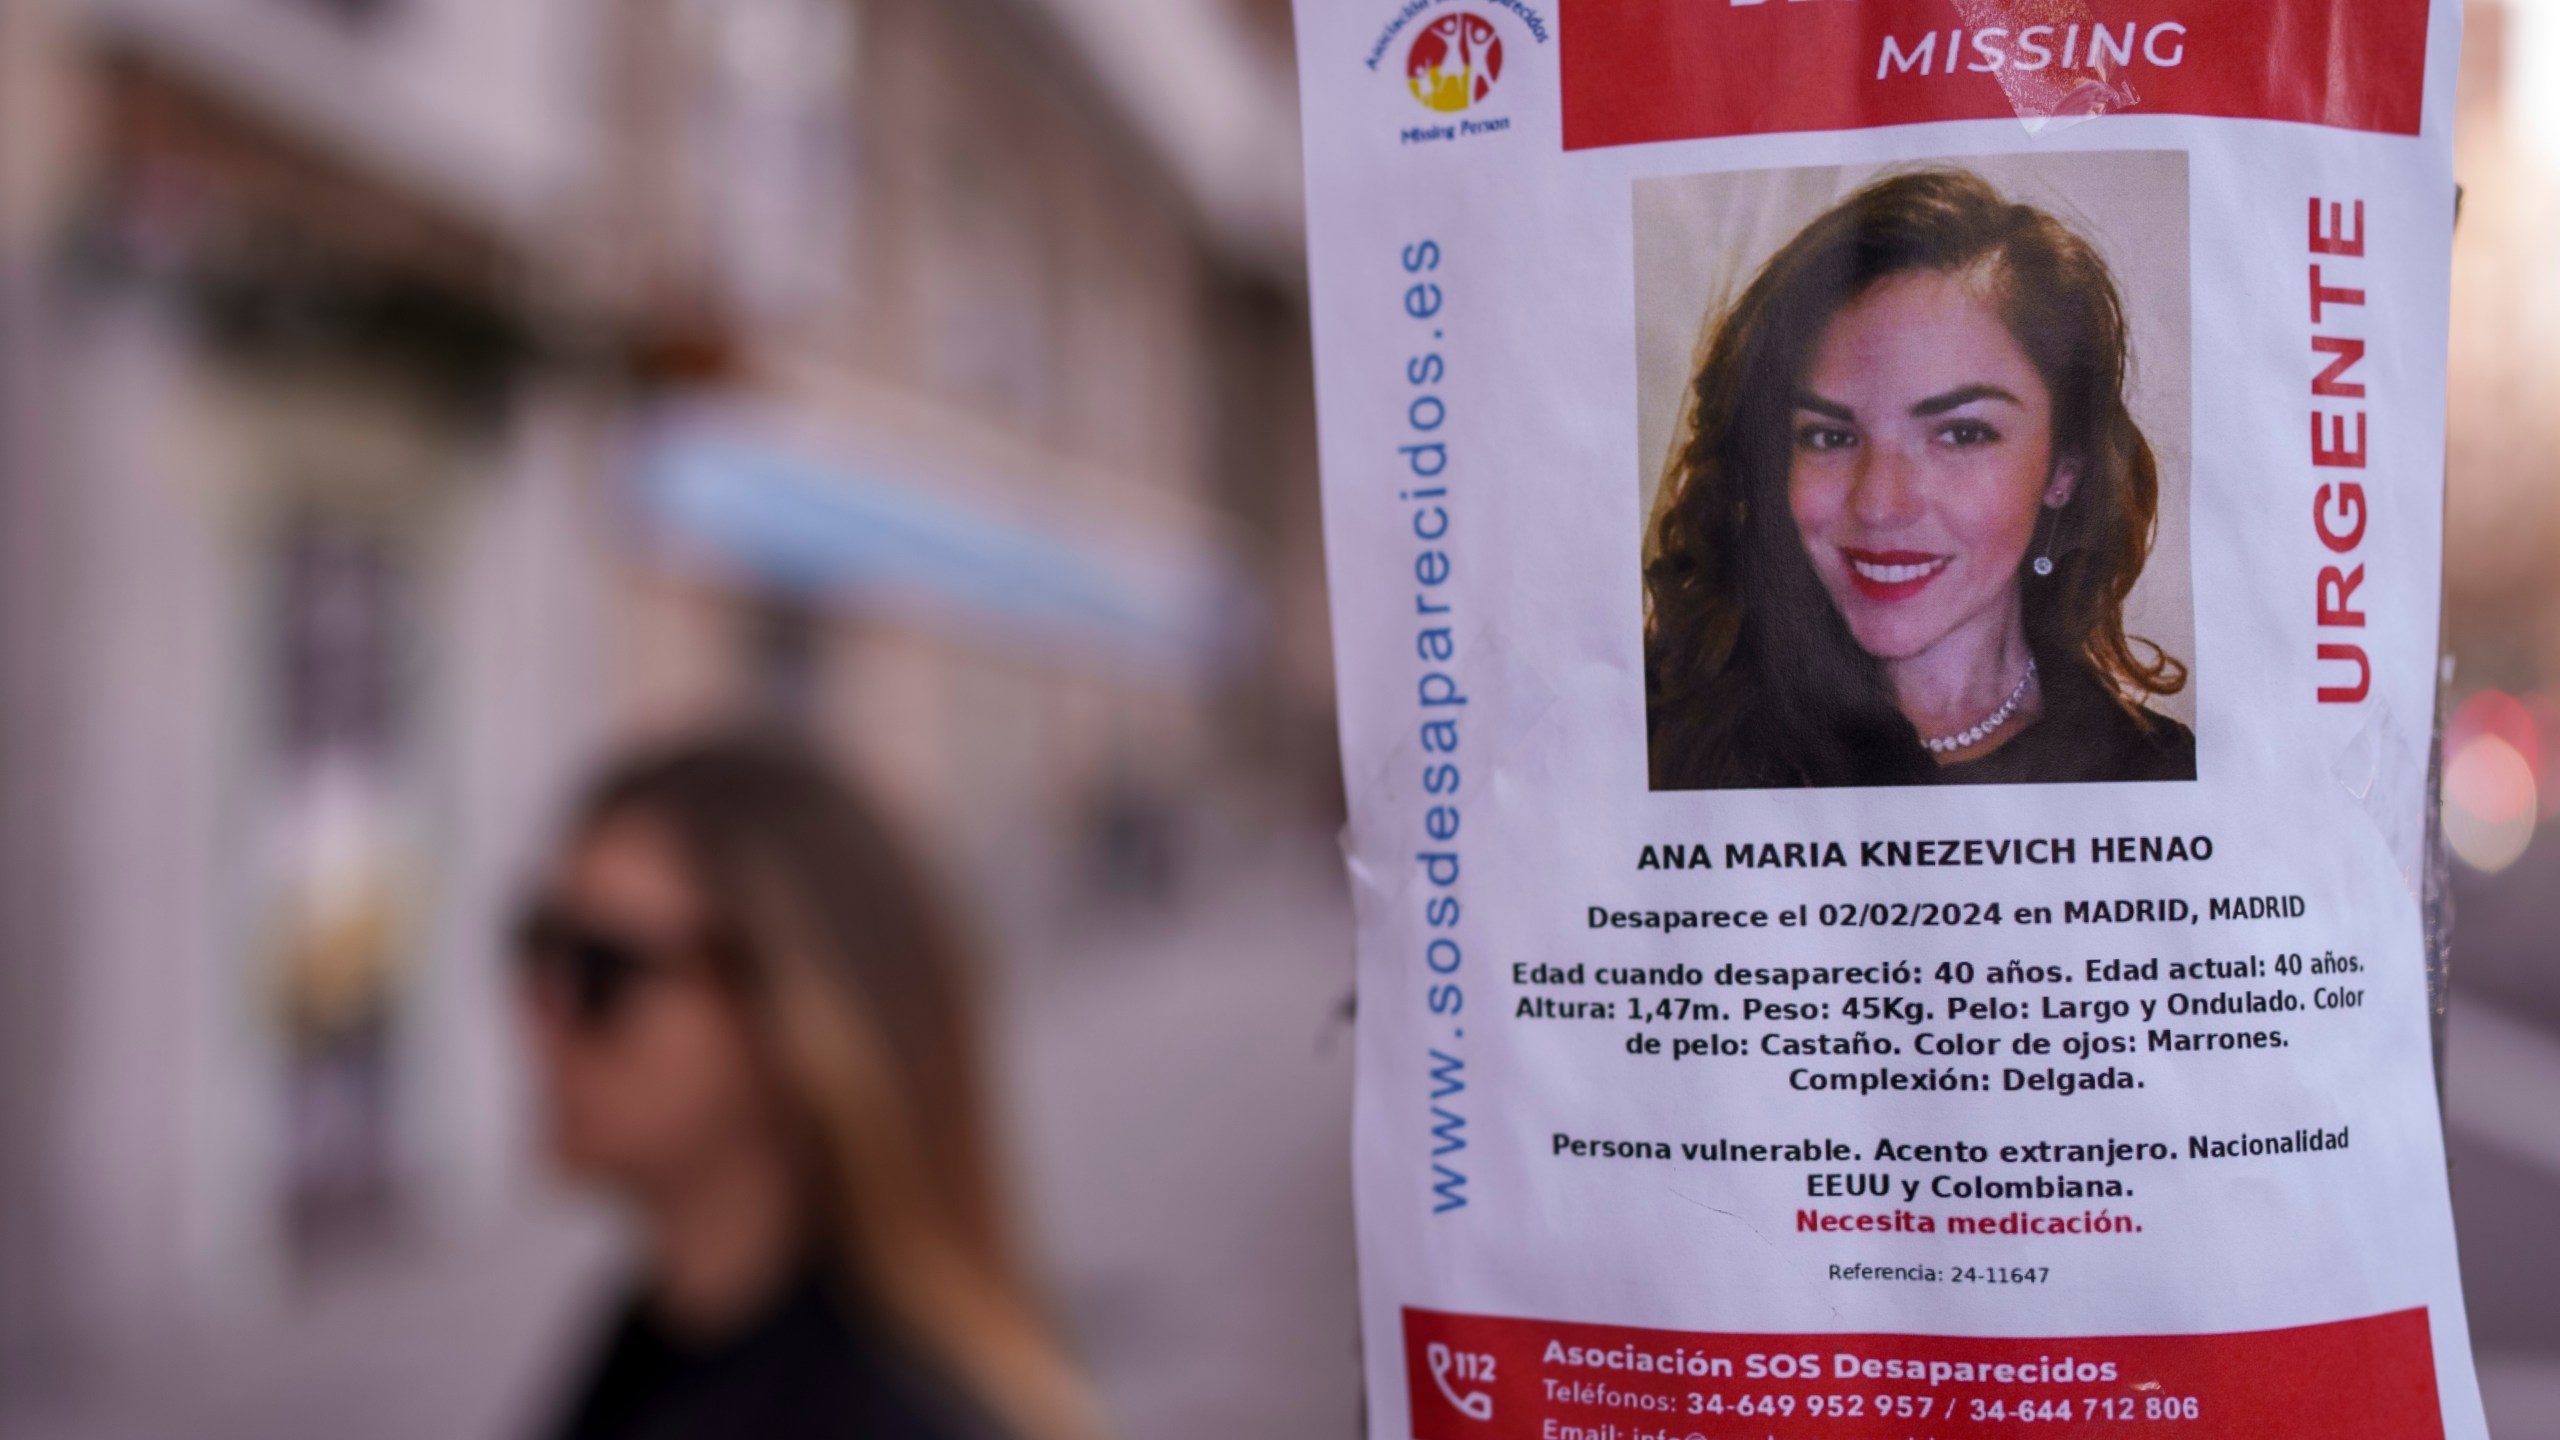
1644 70
1478 1377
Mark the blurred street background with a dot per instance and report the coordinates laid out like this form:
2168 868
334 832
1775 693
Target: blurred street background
406 403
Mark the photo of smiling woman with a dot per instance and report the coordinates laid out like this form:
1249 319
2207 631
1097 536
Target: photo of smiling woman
1896 537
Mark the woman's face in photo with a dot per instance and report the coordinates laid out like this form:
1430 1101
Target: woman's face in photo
1922 459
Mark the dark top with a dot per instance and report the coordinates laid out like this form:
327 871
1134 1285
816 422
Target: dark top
2082 735
804 1370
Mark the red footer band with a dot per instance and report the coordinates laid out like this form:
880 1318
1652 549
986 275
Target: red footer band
1476 1377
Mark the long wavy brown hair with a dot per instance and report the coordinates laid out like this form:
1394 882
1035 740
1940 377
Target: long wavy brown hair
854 983
1752 677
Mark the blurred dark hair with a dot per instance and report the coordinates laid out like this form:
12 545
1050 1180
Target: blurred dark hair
1752 676
854 981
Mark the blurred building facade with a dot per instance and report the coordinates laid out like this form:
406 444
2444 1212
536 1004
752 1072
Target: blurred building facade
2503 512
403 402
2502 621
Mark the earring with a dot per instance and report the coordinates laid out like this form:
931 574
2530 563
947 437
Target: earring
2044 562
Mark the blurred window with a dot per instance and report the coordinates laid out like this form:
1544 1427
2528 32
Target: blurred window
786 648
343 612
338 610
353 11
768 152
990 330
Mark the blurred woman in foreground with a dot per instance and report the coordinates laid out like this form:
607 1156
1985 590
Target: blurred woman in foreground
751 1022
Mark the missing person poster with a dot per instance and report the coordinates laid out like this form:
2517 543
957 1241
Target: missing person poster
1885 560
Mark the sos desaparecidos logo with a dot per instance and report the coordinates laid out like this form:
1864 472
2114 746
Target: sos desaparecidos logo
1454 62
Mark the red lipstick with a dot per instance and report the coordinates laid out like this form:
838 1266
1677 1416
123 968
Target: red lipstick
1890 575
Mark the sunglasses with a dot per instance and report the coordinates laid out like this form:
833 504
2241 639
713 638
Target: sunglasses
595 968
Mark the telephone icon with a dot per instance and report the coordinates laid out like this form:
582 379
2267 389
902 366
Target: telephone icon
1444 1362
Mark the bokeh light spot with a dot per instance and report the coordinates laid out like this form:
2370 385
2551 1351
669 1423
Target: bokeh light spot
2491 803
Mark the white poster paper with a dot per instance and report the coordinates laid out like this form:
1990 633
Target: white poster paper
1885 560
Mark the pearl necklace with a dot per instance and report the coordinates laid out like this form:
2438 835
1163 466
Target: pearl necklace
1991 723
